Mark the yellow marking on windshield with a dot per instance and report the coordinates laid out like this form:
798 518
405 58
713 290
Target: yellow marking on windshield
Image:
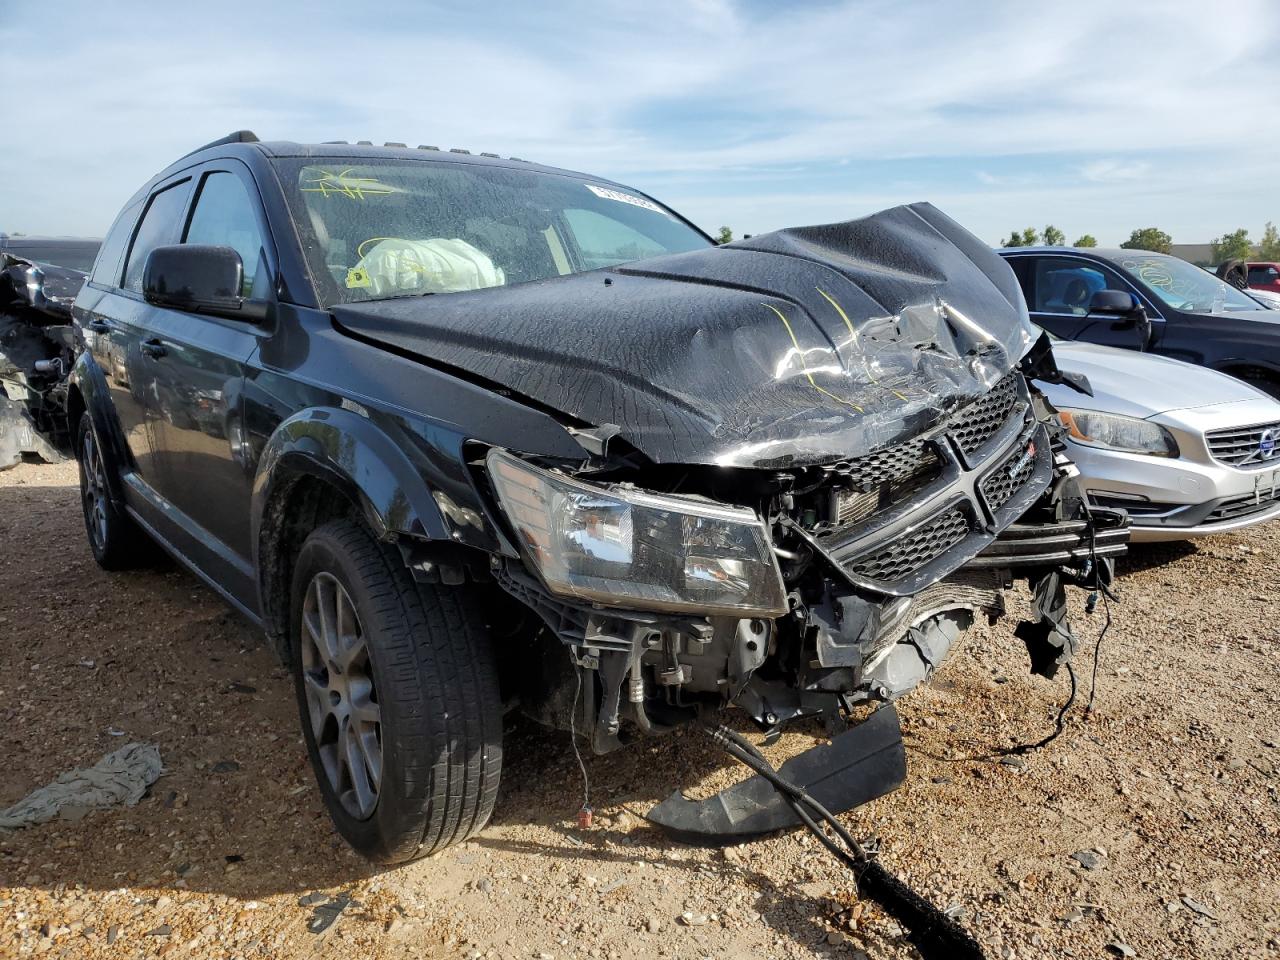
342 184
853 333
800 353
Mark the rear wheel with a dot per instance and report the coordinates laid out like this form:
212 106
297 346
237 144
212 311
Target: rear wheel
398 697
116 541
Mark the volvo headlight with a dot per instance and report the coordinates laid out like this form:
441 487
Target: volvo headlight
627 548
1113 432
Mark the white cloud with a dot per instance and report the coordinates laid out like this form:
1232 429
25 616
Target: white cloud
668 92
1109 171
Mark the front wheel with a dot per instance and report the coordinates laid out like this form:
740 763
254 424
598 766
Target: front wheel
398 696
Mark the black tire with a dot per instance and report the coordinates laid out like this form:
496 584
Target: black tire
428 669
116 541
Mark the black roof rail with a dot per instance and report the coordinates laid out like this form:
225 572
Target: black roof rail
240 136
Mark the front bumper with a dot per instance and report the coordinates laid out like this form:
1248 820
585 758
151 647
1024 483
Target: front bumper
1177 498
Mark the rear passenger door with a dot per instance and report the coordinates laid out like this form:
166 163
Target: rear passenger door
115 321
203 472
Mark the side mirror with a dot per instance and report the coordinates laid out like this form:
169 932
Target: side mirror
199 278
1128 312
1114 302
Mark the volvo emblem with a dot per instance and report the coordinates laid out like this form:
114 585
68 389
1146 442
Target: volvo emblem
1267 444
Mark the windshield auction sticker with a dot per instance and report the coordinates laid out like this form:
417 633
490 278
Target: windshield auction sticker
607 194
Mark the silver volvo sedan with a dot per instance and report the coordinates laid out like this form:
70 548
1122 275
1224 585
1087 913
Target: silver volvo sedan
1187 451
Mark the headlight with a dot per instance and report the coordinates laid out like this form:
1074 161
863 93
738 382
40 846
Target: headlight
1113 432
626 548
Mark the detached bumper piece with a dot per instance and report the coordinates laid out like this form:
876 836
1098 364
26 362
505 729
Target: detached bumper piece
856 767
1065 543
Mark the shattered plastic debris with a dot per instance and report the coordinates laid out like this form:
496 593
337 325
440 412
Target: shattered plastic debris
18 437
119 778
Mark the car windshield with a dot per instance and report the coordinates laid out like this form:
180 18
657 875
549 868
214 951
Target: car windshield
1183 286
375 229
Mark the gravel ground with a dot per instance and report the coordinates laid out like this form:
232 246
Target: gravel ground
1168 792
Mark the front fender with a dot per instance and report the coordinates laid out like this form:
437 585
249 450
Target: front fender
358 457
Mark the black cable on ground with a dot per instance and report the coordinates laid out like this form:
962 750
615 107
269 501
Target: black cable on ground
936 935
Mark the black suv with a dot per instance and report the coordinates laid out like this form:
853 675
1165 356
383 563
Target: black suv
1150 301
462 433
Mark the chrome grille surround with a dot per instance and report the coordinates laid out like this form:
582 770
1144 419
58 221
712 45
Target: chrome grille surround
1255 446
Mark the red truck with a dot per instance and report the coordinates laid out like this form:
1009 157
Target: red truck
1264 276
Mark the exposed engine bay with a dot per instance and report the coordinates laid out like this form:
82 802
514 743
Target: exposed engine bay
884 561
37 350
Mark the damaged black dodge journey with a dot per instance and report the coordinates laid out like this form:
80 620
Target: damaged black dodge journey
465 434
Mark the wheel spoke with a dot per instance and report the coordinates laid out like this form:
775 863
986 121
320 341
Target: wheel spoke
372 751
337 680
357 770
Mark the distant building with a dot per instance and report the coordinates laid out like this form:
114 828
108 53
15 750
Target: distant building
1201 254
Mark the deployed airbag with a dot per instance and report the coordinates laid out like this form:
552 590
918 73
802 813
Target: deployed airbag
395 266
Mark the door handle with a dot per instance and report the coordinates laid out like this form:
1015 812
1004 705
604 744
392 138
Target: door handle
154 348
99 326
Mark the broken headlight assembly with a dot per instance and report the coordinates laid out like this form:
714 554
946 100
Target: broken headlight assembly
627 548
1112 432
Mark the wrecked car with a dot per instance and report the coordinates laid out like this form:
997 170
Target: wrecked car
39 280
465 434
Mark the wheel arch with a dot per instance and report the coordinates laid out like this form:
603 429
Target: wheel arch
324 463
1253 372
87 391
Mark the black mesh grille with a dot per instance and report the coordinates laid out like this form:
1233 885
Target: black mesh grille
999 485
1243 506
1246 446
974 425
889 465
909 554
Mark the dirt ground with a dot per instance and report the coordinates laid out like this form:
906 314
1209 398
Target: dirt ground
1169 791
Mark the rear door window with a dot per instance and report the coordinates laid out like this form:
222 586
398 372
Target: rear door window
161 225
1262 275
106 268
226 216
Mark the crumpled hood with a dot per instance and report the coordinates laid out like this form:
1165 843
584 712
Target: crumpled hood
1142 385
801 346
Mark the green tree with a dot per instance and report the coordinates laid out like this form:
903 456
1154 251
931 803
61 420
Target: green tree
1149 238
1086 241
1269 248
1232 246
1022 238
724 236
1053 237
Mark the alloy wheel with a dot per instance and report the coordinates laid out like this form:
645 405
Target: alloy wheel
94 490
342 701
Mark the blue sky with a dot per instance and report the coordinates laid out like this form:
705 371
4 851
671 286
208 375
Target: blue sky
1098 117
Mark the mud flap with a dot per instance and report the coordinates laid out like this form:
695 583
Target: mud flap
856 767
